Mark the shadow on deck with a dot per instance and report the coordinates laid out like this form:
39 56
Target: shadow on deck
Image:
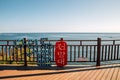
58 70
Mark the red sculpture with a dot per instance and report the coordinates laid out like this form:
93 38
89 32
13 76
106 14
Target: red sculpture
61 53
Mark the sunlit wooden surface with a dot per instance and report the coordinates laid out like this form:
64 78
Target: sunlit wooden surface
106 72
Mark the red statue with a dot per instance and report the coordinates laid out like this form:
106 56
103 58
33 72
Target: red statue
61 53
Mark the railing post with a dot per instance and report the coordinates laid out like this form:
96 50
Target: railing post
25 53
98 51
80 42
113 42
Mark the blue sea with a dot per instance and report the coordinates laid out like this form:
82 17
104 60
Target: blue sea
57 36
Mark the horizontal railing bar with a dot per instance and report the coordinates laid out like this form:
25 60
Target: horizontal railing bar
110 44
67 45
66 40
53 45
85 52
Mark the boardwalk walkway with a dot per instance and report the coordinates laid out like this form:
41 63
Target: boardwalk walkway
106 72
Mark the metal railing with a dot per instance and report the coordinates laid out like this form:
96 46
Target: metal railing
78 50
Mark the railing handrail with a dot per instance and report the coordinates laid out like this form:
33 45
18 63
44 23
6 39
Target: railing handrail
79 42
92 51
72 40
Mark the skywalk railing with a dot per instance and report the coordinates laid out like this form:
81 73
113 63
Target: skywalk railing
78 51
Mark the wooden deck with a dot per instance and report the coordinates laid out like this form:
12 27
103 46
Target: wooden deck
106 72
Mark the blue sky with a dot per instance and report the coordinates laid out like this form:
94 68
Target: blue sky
59 16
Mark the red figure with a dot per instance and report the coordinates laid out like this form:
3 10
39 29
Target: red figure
61 53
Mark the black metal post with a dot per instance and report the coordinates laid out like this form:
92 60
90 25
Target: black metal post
25 53
98 51
113 42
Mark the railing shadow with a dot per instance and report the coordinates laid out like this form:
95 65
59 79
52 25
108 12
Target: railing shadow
72 69
3 67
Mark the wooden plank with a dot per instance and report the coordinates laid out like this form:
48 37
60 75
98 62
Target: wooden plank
81 74
88 73
105 74
118 77
68 74
110 74
51 77
65 76
114 76
57 76
48 77
72 77
93 74
101 73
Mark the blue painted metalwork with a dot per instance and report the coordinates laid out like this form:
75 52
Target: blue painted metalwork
44 56
43 50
